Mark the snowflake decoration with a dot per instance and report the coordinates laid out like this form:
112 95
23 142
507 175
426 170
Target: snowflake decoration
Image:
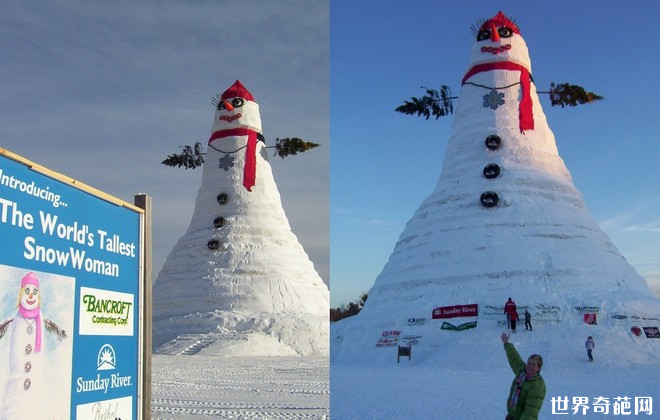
493 99
226 162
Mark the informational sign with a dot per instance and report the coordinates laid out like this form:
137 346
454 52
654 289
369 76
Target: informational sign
456 311
416 321
71 293
652 332
389 338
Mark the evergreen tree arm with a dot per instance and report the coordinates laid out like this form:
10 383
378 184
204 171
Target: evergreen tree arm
189 158
564 94
433 103
292 146
439 103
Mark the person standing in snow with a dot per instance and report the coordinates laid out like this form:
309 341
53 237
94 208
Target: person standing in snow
589 344
514 318
528 387
509 309
528 320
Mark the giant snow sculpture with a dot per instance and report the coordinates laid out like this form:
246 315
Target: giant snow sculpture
505 219
239 282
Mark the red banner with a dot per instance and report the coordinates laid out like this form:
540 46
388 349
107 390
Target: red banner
589 319
456 311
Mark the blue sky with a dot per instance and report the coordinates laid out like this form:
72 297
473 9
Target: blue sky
104 91
384 164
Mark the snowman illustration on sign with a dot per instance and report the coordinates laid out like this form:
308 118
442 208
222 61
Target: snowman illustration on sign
25 384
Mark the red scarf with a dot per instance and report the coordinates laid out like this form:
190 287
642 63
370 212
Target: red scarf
525 114
250 169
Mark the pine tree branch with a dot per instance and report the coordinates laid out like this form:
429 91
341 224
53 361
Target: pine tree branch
433 103
189 158
192 157
565 94
292 146
439 104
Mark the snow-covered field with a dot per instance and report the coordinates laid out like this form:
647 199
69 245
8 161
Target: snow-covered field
465 374
408 390
202 387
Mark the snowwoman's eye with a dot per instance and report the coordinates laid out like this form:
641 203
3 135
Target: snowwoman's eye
504 32
483 35
35 292
238 102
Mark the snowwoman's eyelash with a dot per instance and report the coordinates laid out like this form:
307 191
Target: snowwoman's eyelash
475 28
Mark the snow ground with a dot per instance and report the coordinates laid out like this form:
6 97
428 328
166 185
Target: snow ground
202 387
411 391
465 375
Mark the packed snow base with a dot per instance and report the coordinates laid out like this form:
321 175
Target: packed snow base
201 387
465 374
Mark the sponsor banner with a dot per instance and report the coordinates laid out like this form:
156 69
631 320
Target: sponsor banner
465 326
546 312
586 309
410 340
456 311
389 338
645 317
589 319
651 332
491 310
416 321
104 312
498 310
118 408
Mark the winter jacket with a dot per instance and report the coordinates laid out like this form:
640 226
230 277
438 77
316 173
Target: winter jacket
509 307
532 392
589 344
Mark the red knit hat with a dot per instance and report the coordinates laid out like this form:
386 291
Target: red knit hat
237 90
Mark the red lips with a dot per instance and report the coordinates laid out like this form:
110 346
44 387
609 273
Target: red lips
230 118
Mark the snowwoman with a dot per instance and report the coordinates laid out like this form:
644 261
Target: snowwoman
25 385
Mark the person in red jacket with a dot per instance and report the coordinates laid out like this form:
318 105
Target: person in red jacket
509 309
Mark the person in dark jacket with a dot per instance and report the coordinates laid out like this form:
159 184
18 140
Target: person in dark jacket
528 320
528 388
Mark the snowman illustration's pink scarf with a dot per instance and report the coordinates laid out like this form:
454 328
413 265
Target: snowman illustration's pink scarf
250 169
525 113
36 315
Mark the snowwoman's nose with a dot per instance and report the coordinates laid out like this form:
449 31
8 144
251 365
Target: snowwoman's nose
228 106
494 35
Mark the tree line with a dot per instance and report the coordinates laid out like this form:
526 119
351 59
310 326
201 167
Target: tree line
350 309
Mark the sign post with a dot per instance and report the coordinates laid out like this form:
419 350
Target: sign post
75 285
